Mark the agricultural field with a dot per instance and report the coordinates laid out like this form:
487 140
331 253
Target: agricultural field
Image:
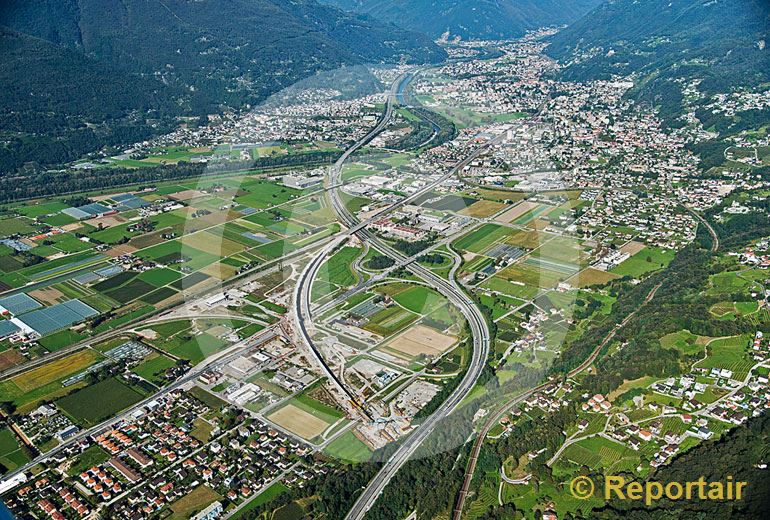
300 421
454 203
390 320
483 209
590 277
96 402
11 454
600 453
532 275
29 388
516 289
528 239
482 238
729 353
420 340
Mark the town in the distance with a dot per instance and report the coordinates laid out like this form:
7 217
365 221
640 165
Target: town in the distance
479 273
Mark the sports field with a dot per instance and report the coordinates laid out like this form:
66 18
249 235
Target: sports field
299 421
422 340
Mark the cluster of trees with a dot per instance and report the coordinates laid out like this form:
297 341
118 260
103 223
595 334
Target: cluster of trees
411 248
40 183
380 262
737 454
433 259
422 131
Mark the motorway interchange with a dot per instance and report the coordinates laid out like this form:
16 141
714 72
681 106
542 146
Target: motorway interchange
450 289
373 328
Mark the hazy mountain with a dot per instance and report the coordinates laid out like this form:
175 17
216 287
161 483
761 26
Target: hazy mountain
234 50
137 62
489 19
724 43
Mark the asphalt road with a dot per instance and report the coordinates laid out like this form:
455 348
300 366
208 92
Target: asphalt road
450 289
495 417
214 362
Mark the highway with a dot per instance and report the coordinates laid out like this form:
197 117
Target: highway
450 289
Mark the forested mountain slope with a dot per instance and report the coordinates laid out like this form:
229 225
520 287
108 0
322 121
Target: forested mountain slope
485 19
178 57
723 43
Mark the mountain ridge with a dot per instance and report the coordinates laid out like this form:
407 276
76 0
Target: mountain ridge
662 41
234 55
472 19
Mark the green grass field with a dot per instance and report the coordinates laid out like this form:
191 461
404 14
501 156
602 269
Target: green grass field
61 339
153 368
337 269
647 260
97 402
40 209
168 329
263 498
347 447
684 341
264 194
159 277
420 299
194 348
207 398
12 226
92 456
11 455
481 239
